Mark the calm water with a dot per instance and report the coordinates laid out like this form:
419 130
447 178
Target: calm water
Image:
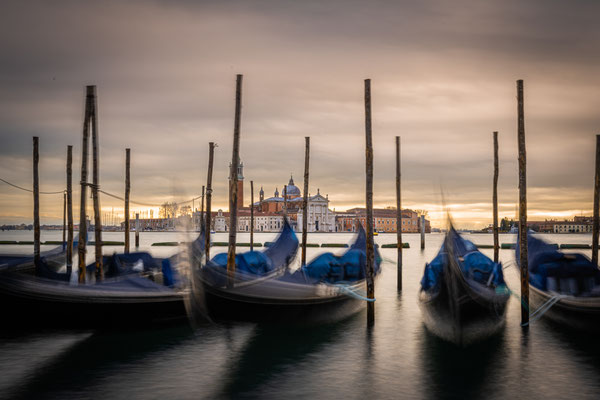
398 358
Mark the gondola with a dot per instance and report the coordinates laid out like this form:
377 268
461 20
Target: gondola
124 300
327 289
25 262
463 295
563 287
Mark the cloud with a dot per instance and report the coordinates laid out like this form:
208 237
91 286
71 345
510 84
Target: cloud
443 79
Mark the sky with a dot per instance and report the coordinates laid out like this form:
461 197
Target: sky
443 79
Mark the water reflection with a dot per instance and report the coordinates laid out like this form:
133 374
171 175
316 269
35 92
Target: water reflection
273 350
452 372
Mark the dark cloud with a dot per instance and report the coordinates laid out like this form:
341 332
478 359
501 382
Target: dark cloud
443 78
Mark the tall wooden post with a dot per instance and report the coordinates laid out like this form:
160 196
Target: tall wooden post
422 222
284 200
127 191
495 199
64 230
208 218
36 202
137 230
398 213
523 209
202 208
69 209
251 215
369 205
96 184
84 184
596 224
233 180
305 200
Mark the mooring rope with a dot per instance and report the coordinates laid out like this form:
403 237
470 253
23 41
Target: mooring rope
29 190
541 310
346 289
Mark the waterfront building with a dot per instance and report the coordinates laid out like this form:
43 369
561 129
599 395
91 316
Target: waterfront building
384 220
572 227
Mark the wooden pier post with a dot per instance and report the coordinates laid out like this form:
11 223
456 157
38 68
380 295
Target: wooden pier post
127 191
202 208
398 214
64 230
233 180
305 200
84 184
69 210
284 193
523 208
369 205
208 218
596 224
137 230
96 184
422 221
36 202
251 215
495 199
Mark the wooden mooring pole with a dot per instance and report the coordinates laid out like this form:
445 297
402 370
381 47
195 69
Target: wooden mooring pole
137 230
596 224
96 184
251 215
208 218
64 230
69 210
36 202
84 184
233 180
305 200
202 208
369 205
523 208
495 199
284 200
398 214
127 191
422 223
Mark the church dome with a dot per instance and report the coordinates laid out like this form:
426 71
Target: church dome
292 190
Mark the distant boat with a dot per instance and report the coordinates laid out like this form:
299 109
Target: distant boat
564 287
463 295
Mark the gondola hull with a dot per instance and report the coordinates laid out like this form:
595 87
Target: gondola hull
580 313
273 300
30 301
462 311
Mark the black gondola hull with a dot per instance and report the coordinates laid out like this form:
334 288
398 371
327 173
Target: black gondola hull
579 313
462 312
25 302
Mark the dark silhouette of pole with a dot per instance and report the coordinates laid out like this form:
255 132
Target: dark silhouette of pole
89 100
369 206
36 202
137 230
208 219
233 180
398 213
69 210
305 200
202 208
251 215
422 222
495 199
127 191
596 224
96 185
64 230
523 209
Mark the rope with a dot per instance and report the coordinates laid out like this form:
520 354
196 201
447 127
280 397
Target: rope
28 190
537 314
144 204
345 289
